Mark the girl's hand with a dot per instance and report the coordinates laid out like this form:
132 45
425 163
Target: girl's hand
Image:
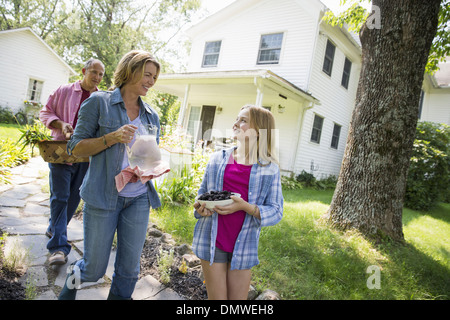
237 205
204 212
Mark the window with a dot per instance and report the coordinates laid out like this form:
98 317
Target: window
329 57
194 117
211 54
336 135
346 73
270 48
34 90
317 129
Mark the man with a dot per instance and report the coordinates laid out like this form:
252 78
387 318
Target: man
60 114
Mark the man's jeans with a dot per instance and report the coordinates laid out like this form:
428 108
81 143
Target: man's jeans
65 181
130 219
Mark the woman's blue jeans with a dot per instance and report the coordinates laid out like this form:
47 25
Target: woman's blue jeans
130 219
65 181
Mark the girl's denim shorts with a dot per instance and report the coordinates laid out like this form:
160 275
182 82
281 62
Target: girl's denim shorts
221 256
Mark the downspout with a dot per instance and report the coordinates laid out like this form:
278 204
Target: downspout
300 121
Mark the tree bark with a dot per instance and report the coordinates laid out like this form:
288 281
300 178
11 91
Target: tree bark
372 181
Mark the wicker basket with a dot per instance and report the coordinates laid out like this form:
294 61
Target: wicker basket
55 152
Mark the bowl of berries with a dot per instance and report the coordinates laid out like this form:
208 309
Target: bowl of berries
216 198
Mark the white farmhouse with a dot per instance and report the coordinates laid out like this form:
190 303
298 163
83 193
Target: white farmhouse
280 55
31 70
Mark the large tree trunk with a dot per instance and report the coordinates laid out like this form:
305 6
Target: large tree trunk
371 185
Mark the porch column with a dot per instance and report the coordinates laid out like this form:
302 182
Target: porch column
259 92
184 105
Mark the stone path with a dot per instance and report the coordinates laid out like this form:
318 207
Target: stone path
24 214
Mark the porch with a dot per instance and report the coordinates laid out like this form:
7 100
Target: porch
212 100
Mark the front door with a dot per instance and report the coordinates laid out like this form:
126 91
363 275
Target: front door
207 121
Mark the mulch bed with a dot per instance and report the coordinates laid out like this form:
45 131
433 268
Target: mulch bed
188 284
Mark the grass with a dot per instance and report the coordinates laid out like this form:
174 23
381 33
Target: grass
302 258
10 131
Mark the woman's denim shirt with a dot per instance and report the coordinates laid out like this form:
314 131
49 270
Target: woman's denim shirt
104 112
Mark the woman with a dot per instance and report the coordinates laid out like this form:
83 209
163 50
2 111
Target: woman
226 238
106 124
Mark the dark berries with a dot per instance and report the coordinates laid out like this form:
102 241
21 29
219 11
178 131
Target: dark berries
215 196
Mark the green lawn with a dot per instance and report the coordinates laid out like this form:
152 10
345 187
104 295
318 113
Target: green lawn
302 258
10 131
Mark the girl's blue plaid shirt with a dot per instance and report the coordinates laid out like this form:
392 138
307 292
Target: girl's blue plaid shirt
264 190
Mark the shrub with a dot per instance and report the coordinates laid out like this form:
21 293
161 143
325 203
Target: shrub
308 180
11 155
428 175
183 186
6 115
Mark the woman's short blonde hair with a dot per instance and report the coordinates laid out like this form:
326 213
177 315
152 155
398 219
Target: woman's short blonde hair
132 64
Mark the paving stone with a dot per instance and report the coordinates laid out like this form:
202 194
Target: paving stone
47 295
31 225
15 194
99 293
23 180
39 197
5 187
30 188
11 202
34 245
10 212
147 288
36 276
75 230
32 209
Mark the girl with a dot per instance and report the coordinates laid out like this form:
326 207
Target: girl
107 122
226 238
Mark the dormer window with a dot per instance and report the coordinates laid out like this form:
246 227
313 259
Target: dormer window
270 48
211 54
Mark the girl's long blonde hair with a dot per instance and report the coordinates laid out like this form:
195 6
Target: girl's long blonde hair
131 64
263 122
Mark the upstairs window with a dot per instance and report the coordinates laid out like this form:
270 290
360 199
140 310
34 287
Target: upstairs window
346 73
329 57
336 135
211 54
270 48
34 90
317 129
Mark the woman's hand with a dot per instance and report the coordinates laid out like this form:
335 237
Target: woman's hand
202 210
124 134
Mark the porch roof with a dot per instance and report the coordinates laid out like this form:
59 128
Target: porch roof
230 83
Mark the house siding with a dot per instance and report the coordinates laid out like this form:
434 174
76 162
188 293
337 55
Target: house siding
24 56
336 106
436 106
241 35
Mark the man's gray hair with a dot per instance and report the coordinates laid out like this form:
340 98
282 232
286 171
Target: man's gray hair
91 61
